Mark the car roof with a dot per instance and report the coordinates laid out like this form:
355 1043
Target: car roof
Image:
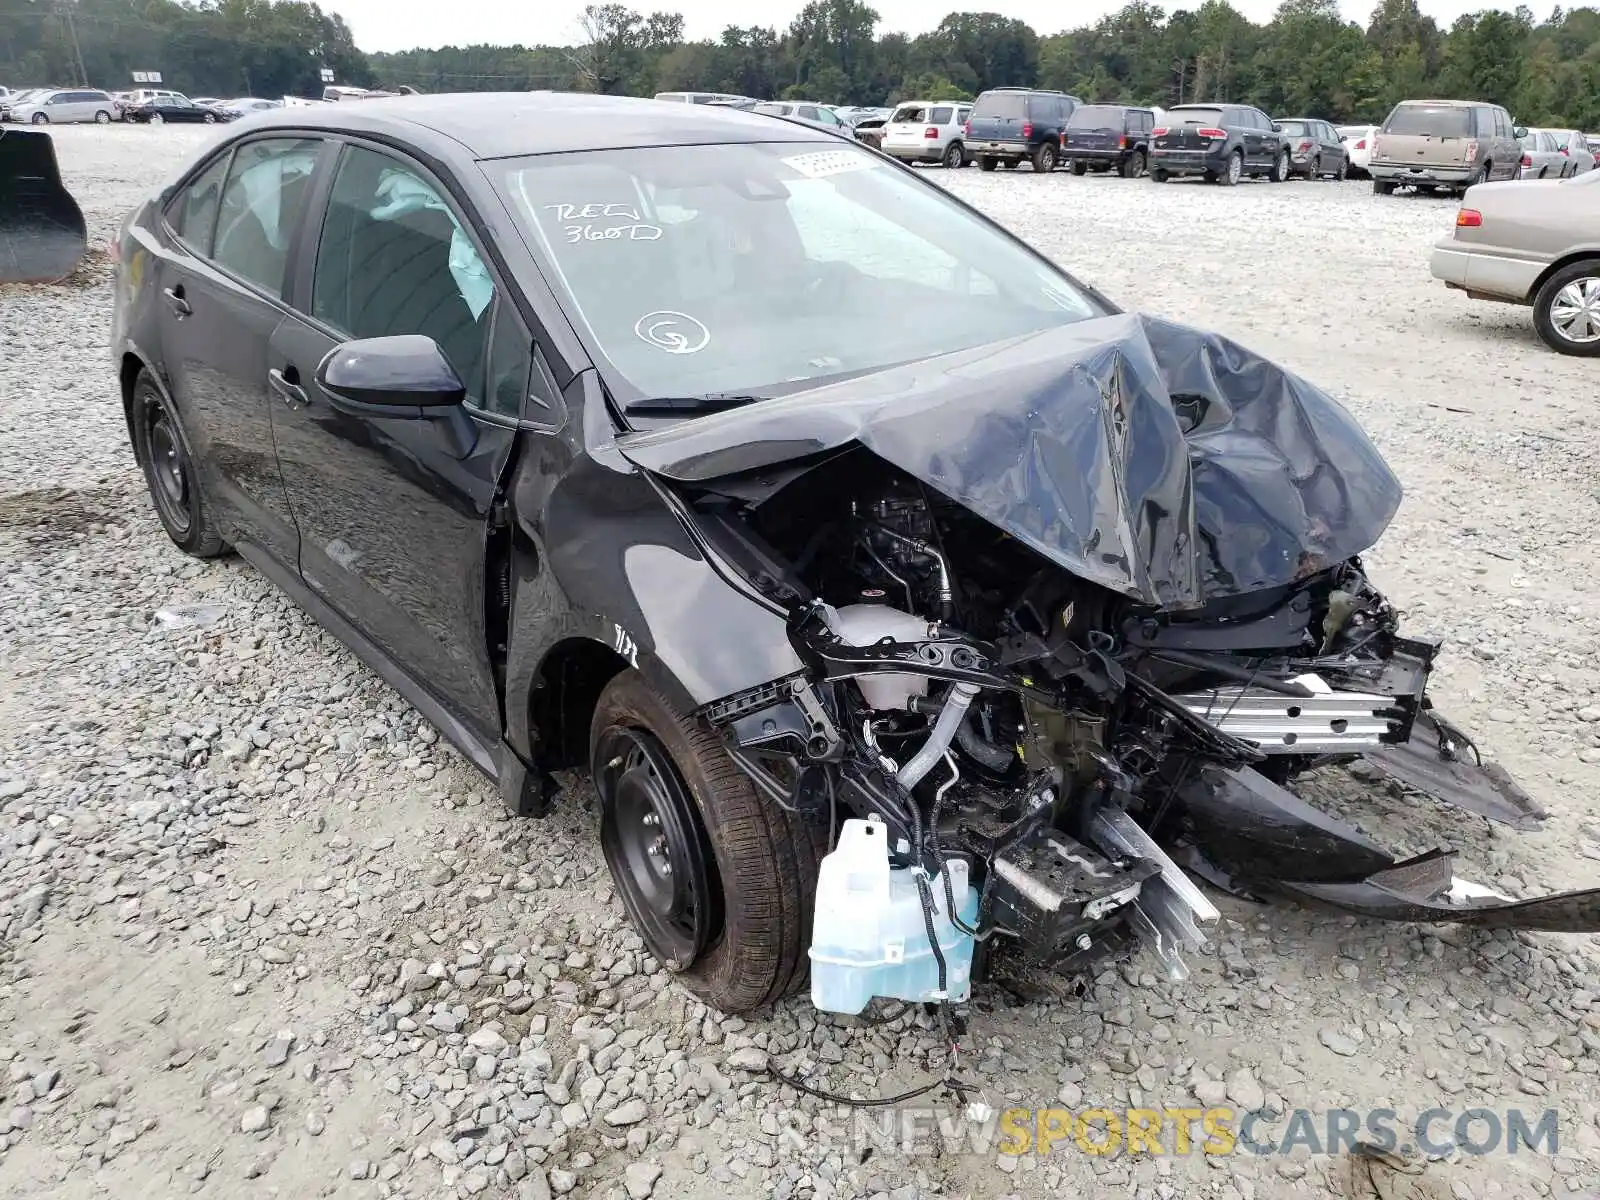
507 124
1450 103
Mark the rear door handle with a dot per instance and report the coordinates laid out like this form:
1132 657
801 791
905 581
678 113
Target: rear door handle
176 302
292 393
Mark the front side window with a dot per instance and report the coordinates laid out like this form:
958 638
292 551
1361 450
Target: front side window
261 206
393 259
193 213
761 267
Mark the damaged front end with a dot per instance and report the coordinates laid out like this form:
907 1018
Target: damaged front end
1072 618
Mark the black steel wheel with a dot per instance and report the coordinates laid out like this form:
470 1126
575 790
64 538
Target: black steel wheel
169 471
655 846
719 883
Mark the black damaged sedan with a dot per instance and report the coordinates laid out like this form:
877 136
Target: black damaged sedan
731 462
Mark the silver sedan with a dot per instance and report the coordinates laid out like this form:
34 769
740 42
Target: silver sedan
1532 243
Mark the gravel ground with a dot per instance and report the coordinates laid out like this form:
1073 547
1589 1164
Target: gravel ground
264 935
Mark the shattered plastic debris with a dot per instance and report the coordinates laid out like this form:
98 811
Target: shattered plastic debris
189 616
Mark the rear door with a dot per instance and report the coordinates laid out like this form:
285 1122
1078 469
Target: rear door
1429 135
905 126
393 514
232 229
1094 127
998 117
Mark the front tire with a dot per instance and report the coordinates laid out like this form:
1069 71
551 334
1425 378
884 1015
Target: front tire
162 450
1566 310
40 119
102 117
1133 165
1280 168
209 118
1044 159
720 884
1342 171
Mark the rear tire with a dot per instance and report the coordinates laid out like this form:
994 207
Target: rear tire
986 164
760 862
1159 175
1584 278
954 156
1080 168
162 450
1044 159
1233 172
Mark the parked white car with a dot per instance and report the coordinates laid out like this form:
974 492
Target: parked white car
1358 141
929 131
65 106
1576 148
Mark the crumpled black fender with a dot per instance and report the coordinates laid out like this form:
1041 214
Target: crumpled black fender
604 565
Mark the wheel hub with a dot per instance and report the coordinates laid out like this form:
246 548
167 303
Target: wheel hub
169 473
1575 312
653 842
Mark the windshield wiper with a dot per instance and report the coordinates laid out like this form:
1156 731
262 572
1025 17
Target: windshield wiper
703 403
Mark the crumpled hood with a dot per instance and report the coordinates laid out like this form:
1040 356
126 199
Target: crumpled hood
1165 463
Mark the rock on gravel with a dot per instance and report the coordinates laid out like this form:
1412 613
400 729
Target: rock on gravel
213 830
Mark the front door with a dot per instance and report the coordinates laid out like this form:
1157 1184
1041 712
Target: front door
221 285
393 513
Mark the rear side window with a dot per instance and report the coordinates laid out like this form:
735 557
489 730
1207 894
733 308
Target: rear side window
261 206
1012 105
1429 120
940 116
193 212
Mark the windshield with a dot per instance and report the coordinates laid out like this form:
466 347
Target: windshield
756 267
1429 121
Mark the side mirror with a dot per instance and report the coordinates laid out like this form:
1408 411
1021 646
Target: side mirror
1520 131
1277 128
404 376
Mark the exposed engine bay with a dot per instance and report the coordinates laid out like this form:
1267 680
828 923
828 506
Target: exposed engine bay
1093 678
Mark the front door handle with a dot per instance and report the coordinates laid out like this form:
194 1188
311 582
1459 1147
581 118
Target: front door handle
176 302
291 392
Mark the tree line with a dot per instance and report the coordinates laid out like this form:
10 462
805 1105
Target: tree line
1307 61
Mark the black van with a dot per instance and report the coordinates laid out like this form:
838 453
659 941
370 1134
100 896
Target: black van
1009 124
1108 137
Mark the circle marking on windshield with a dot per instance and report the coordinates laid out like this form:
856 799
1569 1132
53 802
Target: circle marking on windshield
674 332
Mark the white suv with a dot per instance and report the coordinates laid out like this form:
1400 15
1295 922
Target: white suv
929 131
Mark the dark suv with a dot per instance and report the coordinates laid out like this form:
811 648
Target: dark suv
1107 137
1011 124
1223 142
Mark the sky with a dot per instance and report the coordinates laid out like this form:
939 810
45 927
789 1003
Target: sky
385 25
